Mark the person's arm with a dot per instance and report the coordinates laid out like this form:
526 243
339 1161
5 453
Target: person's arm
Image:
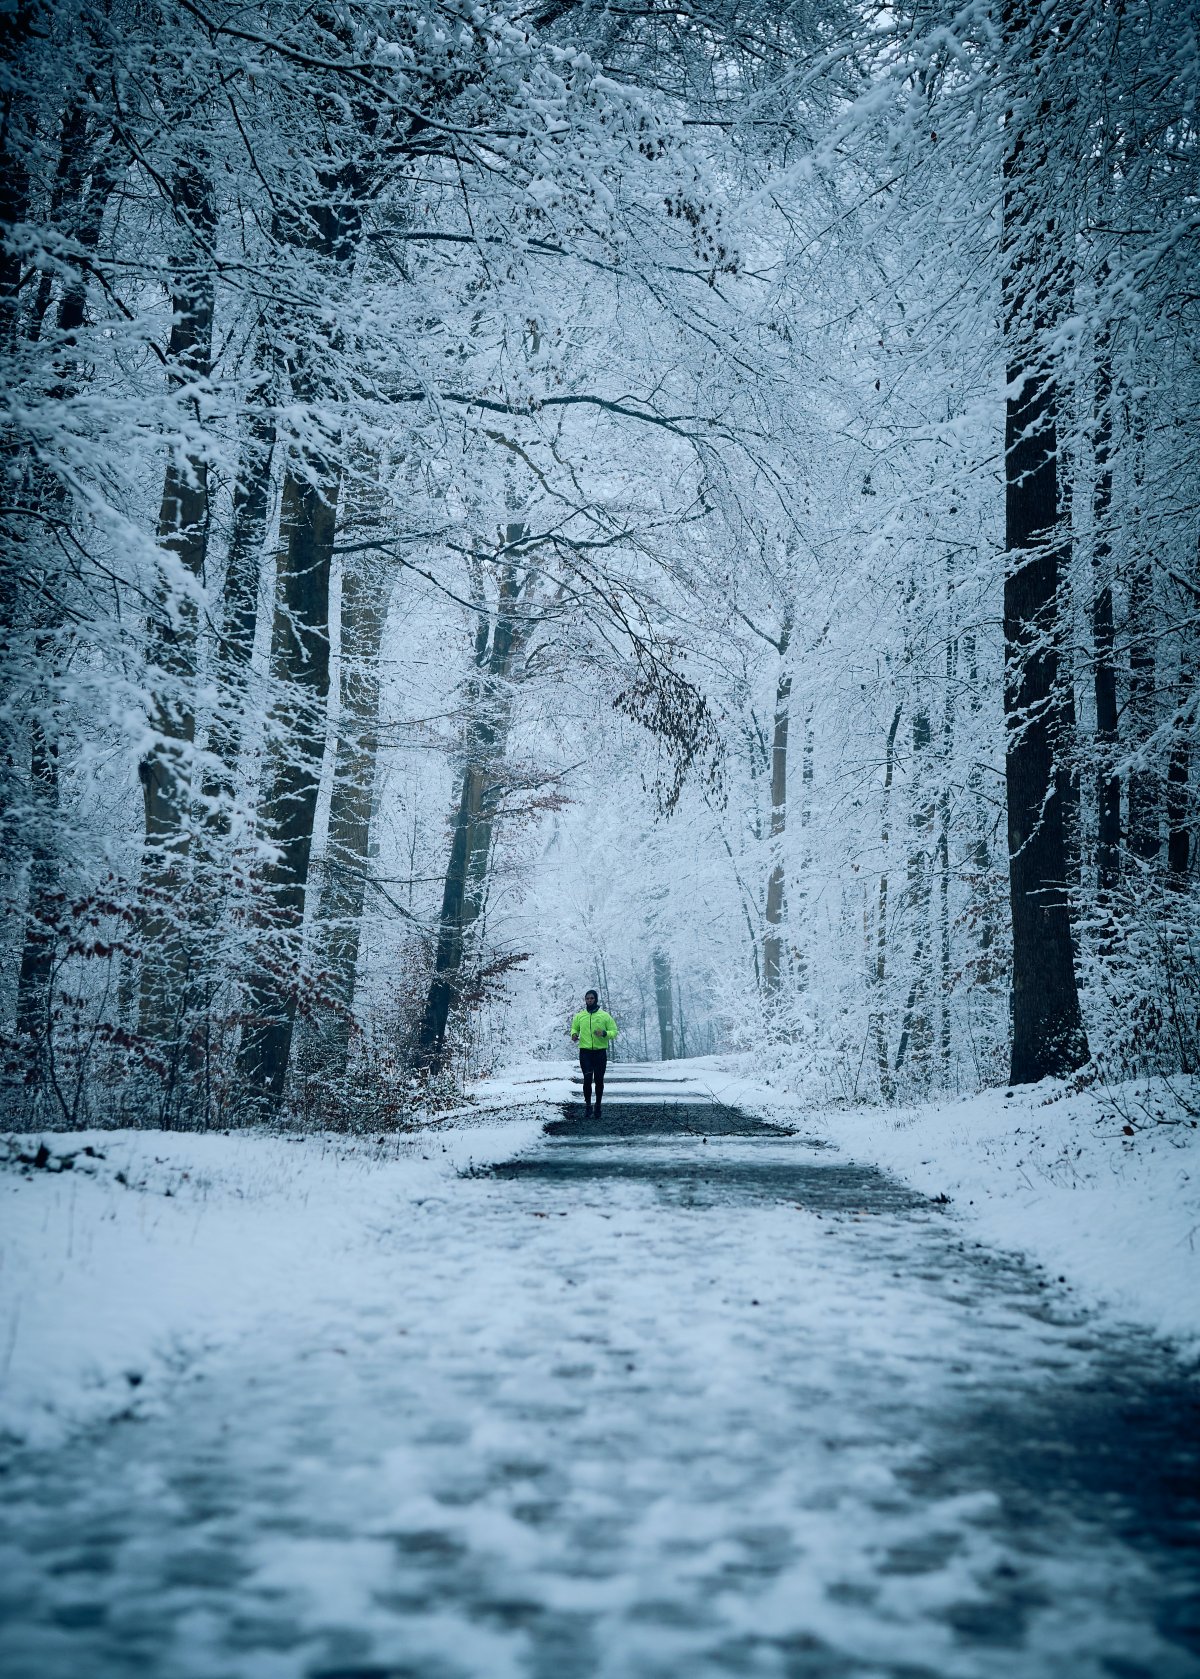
574 1029
612 1028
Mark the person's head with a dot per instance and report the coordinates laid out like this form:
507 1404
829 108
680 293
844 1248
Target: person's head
591 1001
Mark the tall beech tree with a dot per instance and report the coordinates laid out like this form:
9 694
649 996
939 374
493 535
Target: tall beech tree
501 633
1047 1024
773 945
1108 786
78 200
183 528
291 780
345 877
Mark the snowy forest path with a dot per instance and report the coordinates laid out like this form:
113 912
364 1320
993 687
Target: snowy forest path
641 1406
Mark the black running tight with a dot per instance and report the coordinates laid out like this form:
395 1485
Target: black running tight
593 1063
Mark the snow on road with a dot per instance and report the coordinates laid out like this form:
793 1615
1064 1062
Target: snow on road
1101 1185
661 1407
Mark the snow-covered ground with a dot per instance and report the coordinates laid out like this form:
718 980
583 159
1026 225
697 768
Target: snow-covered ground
124 1269
1086 1184
633 1409
1057 1176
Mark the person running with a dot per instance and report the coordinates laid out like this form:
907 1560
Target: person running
593 1029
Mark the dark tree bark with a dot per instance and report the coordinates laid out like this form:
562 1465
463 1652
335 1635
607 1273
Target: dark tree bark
15 117
801 931
453 922
1145 840
665 1004
300 671
879 1026
945 1037
43 910
32 985
74 205
1179 837
1108 785
914 1022
339 913
81 204
471 837
239 612
182 532
775 905
330 230
980 851
18 118
1066 775
200 968
917 1022
1066 722
1048 1032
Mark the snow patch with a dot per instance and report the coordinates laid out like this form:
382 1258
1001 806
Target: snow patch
143 1258
1087 1184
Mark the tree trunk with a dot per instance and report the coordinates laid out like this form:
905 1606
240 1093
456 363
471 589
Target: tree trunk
16 121
798 919
1145 842
43 911
452 925
641 985
775 907
913 1022
45 886
1066 722
239 615
980 851
165 771
1108 786
329 228
1178 774
945 1040
15 114
71 197
879 1014
917 1025
665 1004
338 925
470 846
212 868
300 671
1048 1033
1066 781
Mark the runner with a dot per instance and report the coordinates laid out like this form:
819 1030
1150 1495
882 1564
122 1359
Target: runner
593 1030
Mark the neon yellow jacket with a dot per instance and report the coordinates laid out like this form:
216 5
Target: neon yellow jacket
594 1031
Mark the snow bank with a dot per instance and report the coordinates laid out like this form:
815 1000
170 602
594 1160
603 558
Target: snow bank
161 1247
1112 1207
1086 1184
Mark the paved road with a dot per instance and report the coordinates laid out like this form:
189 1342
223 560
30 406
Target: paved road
654 1401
